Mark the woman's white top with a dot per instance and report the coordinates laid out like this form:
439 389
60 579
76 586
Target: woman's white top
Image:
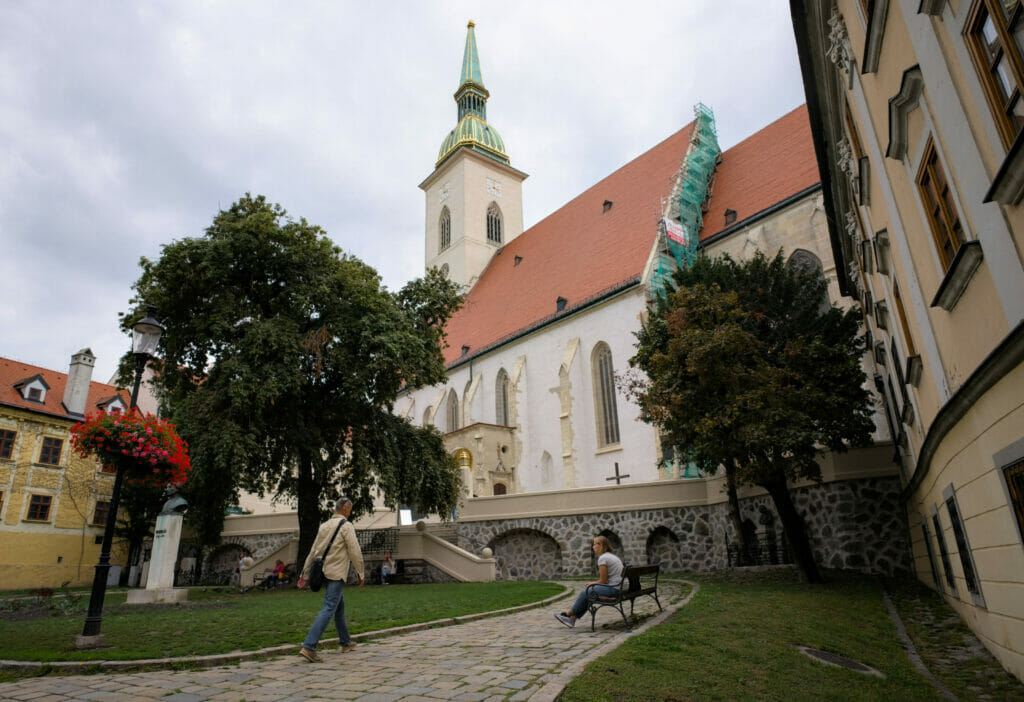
614 566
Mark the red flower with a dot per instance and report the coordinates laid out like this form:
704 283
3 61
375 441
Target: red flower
132 439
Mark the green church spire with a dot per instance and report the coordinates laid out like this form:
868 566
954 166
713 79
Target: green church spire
471 59
471 97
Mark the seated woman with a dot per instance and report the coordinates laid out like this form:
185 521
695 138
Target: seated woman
609 569
275 576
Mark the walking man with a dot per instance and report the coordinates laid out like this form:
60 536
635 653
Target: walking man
339 535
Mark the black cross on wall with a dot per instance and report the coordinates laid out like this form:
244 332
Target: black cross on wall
617 478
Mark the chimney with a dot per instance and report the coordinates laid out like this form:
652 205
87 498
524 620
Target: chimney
76 392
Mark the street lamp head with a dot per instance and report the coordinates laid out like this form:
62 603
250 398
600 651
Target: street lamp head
146 334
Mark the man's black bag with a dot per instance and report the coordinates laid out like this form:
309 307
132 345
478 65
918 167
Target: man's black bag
316 571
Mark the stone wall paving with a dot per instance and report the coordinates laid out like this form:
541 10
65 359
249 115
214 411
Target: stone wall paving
517 656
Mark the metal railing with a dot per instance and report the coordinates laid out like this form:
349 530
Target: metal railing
760 551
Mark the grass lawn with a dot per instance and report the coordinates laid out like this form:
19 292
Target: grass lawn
737 639
219 622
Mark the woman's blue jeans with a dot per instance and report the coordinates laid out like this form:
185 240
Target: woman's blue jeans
334 606
588 595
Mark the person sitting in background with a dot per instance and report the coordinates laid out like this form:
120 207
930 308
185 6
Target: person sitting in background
275 576
609 569
386 569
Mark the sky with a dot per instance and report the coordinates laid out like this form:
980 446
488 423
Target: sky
126 126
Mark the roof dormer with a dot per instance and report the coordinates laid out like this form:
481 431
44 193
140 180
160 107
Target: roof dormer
115 403
32 389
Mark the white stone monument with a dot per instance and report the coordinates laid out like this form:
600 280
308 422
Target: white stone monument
166 537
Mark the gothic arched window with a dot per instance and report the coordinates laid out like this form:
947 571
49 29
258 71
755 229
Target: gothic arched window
500 489
453 411
604 395
444 229
426 417
501 406
493 224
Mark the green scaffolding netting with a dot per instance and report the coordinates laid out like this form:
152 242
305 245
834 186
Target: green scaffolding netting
697 170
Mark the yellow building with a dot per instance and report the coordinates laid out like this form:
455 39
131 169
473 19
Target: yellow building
918 118
53 503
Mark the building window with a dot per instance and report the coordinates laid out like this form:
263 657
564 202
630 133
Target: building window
604 396
445 229
7 443
500 489
1 503
901 312
101 513
1014 474
947 569
966 561
453 411
995 34
493 224
939 206
50 452
39 508
501 407
426 417
931 553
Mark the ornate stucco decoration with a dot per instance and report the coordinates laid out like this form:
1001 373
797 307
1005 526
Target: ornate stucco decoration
839 51
846 163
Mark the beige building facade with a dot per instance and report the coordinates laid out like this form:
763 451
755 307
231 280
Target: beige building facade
53 503
917 113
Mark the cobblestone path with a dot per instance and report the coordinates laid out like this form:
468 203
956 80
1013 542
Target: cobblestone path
522 656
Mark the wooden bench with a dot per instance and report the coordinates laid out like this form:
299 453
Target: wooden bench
636 581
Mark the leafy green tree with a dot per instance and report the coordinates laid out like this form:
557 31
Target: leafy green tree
281 362
746 368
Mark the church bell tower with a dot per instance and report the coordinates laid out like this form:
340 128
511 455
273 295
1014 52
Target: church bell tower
474 196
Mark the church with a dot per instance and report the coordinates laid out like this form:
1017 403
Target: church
532 404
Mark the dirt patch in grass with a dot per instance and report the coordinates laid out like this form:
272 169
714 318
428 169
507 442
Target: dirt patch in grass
43 611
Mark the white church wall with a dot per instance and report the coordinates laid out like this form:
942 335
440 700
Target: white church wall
558 449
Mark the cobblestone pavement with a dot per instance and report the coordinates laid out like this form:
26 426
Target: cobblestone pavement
522 656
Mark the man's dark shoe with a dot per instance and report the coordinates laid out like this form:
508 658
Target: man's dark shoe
310 655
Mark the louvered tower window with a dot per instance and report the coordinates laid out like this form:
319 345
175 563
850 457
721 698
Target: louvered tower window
493 224
445 229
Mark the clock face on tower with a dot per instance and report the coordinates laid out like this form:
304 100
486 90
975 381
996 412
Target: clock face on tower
493 187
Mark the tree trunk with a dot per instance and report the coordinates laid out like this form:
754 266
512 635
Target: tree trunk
734 508
796 531
308 494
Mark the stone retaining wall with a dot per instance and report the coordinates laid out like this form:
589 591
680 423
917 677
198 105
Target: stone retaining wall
852 524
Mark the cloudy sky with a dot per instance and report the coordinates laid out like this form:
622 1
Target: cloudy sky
127 125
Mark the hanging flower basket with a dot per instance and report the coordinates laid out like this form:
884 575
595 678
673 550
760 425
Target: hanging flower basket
148 449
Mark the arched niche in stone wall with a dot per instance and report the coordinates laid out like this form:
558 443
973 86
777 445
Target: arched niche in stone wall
662 547
526 554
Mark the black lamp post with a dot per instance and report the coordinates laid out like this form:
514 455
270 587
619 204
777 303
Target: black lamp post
145 337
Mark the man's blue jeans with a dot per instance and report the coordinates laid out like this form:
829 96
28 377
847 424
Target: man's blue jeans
582 603
334 606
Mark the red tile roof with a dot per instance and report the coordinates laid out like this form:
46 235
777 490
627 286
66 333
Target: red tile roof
13 371
762 170
575 253
580 251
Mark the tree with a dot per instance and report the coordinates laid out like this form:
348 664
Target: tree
281 362
746 368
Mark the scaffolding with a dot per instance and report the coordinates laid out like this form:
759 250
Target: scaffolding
682 232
